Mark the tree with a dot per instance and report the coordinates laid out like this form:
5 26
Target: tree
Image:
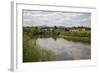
55 27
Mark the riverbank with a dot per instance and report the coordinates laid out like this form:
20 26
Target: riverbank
77 39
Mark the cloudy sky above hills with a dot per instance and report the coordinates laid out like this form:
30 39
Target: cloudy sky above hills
50 18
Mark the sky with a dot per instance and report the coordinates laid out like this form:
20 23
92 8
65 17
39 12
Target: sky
52 18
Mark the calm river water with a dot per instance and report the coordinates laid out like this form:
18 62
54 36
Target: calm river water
66 50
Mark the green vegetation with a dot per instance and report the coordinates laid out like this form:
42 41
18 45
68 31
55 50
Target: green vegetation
78 34
35 53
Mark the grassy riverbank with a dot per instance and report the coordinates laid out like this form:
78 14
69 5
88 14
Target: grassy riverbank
35 53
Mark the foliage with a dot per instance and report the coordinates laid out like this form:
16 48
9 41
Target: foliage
35 53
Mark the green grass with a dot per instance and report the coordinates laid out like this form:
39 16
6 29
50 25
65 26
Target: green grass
77 36
76 33
84 40
35 53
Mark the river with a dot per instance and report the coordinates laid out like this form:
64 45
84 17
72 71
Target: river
65 49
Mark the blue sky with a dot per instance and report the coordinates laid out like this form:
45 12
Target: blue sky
51 18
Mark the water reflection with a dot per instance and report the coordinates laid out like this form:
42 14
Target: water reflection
65 50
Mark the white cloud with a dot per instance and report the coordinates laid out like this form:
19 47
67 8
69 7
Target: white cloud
49 18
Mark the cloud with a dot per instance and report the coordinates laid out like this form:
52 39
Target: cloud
50 18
